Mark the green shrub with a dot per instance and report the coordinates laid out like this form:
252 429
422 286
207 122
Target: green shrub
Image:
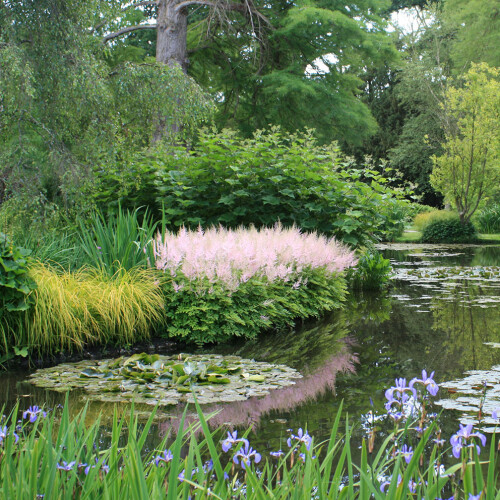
269 178
223 283
371 273
449 230
488 219
423 219
209 313
15 283
16 286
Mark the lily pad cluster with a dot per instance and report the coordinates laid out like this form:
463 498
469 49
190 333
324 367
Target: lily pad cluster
446 273
477 393
168 380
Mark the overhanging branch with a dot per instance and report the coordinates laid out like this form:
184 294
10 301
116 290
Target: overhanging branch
129 29
227 6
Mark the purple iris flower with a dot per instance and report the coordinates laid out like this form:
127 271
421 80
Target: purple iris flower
464 438
33 412
427 382
407 453
4 432
165 457
398 394
301 437
245 455
495 413
66 466
474 497
276 454
104 467
232 438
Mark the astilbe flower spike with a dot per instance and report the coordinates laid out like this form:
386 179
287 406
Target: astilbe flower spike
233 257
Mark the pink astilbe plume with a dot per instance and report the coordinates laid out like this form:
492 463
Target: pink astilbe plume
232 257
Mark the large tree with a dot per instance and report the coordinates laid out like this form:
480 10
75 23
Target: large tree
291 64
64 110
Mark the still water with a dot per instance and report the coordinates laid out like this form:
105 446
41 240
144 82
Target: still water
441 313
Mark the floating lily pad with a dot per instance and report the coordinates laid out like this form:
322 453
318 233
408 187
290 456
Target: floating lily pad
168 380
479 389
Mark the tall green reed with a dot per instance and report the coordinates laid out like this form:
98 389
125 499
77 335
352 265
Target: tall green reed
121 241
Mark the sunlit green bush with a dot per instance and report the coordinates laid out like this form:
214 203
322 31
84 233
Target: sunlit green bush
271 177
449 230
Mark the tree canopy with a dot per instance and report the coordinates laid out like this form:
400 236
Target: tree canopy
468 170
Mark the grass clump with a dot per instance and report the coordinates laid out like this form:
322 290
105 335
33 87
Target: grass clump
488 219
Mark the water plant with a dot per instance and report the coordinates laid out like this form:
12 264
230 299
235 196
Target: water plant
223 283
48 452
167 380
372 271
118 241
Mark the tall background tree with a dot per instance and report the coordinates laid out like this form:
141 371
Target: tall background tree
273 63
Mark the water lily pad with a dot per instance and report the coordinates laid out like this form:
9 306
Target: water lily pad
164 380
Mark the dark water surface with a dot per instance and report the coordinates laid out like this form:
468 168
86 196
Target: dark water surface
440 314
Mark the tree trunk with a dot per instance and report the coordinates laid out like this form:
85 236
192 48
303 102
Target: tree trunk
171 37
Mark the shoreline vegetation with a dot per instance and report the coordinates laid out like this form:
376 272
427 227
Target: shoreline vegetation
403 455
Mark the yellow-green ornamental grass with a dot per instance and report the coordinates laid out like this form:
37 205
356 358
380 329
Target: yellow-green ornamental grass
87 306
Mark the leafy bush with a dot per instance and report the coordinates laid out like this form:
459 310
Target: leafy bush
269 178
15 283
488 219
371 273
423 219
449 230
227 283
74 309
15 289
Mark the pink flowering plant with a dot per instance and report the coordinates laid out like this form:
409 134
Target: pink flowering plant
221 282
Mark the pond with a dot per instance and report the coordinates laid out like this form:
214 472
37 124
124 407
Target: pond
441 313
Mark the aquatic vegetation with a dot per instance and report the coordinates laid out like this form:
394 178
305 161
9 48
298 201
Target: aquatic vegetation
372 272
168 380
412 461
